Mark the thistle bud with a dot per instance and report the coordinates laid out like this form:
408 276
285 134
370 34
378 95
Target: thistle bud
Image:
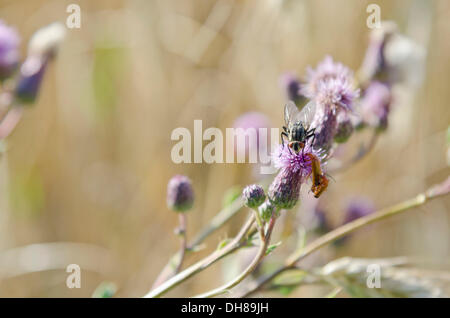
285 189
375 105
344 130
46 40
180 195
41 48
9 50
291 85
266 210
31 74
253 196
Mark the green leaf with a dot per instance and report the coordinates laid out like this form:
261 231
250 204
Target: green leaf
231 195
223 243
105 290
272 247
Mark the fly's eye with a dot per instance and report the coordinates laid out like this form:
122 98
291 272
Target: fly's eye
291 145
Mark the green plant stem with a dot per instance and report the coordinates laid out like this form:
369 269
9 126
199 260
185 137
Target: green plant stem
217 222
264 243
331 236
182 232
235 244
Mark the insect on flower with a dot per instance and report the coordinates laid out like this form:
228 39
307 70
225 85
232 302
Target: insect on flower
319 180
297 126
298 132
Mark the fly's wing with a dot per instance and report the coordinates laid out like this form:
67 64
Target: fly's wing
306 115
290 113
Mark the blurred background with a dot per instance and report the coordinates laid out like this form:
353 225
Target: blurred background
83 177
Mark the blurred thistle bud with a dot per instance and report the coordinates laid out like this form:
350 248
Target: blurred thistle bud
357 208
41 48
180 194
374 64
375 105
291 85
253 196
266 210
46 40
9 50
321 221
344 129
31 74
392 57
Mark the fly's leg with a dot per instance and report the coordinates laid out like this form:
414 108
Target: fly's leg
284 134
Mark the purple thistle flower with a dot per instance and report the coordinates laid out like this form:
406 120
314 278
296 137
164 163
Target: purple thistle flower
9 50
180 195
253 196
290 83
375 105
327 69
294 170
335 93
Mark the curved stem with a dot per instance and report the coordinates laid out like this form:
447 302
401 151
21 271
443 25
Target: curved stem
217 222
235 244
296 256
182 232
265 240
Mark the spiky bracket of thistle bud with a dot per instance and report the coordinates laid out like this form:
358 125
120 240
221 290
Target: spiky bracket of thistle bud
180 194
266 210
253 196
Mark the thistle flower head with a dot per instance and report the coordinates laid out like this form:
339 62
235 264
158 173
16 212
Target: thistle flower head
336 93
180 195
294 170
253 196
325 70
9 50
